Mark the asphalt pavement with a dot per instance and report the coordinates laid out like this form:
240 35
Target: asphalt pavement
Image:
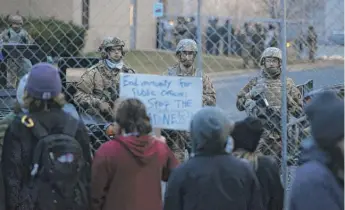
228 86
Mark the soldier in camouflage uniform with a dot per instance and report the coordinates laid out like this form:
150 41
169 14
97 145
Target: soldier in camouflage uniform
181 29
18 67
98 87
312 43
269 83
247 44
186 51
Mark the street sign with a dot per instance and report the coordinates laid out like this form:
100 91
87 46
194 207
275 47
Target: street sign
158 10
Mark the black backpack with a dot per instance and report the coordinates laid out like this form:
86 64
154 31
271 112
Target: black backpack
58 164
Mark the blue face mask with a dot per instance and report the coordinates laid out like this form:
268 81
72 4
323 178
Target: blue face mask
114 65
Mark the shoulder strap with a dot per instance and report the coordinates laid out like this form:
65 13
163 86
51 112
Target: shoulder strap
37 129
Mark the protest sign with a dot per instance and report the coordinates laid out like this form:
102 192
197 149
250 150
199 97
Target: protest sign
171 101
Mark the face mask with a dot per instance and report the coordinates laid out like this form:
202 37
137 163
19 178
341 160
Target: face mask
114 65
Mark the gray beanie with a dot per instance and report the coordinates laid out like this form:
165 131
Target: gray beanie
326 116
44 81
210 130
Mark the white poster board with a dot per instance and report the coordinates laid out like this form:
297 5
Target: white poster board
171 101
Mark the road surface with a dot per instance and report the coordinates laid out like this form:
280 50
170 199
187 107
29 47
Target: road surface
228 87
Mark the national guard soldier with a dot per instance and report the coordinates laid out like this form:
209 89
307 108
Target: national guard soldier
18 67
181 29
269 83
186 51
98 87
247 44
312 43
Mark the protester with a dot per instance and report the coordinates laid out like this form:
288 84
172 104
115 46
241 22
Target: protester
246 136
319 181
127 171
212 179
46 157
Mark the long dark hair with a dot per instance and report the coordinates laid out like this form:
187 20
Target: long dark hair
131 116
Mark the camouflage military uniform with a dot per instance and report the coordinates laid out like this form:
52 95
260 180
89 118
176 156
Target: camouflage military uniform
16 68
268 144
312 43
100 83
181 29
178 140
246 46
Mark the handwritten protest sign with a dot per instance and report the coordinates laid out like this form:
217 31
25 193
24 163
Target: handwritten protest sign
171 101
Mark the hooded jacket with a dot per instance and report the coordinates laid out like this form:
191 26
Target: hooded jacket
212 179
315 186
127 173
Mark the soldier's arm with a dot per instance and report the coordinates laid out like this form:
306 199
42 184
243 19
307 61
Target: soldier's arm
243 95
129 70
4 36
294 97
29 38
88 94
209 93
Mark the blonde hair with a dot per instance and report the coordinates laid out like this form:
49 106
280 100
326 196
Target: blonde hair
34 104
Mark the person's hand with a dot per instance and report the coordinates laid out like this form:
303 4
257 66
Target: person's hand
161 139
113 130
257 90
104 107
249 105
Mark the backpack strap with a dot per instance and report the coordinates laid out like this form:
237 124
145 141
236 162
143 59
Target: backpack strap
36 127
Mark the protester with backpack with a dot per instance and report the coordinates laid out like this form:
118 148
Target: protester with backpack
127 171
246 136
46 156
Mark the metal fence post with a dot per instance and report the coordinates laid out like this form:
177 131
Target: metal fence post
229 30
133 24
160 31
284 103
199 37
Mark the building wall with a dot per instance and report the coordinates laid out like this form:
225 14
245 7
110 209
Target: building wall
111 17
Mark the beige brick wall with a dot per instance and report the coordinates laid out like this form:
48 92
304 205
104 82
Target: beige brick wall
111 17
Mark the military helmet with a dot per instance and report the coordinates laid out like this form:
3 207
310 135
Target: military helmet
15 19
110 42
186 45
271 52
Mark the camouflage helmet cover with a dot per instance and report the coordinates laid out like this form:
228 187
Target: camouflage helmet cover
271 52
110 42
15 19
186 45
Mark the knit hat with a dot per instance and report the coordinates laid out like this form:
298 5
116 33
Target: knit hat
209 130
326 117
44 81
247 134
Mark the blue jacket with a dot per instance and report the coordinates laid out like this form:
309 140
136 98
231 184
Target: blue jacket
315 186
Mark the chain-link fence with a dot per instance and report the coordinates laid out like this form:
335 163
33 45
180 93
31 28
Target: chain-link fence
69 35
